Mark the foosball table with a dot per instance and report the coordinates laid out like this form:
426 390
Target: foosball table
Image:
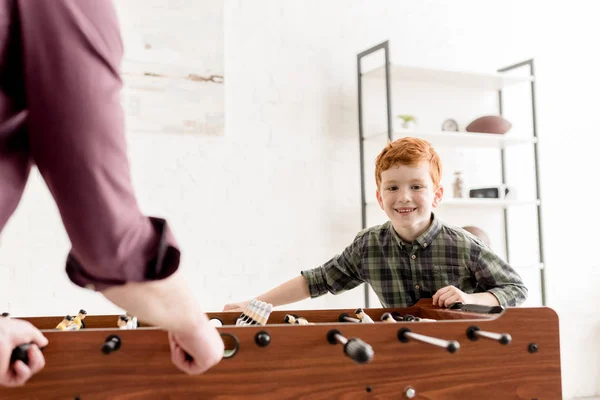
418 352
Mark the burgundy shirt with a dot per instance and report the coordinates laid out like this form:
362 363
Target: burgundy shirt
60 110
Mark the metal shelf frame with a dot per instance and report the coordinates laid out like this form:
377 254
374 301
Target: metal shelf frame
384 46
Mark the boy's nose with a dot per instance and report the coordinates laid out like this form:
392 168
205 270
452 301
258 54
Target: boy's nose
404 196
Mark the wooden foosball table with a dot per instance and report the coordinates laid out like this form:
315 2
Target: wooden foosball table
513 354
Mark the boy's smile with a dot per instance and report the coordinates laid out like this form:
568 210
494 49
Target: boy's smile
407 195
404 210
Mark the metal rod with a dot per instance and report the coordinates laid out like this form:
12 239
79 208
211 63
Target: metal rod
517 65
537 188
492 335
530 63
363 202
474 333
427 339
503 171
451 345
350 319
388 90
341 339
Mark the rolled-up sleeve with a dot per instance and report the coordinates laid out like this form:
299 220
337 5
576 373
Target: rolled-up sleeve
71 57
337 275
498 278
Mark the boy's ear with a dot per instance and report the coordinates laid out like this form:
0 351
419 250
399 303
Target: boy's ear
437 196
379 199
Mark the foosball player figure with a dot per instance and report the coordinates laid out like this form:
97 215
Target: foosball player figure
303 321
78 320
362 315
293 319
387 317
122 321
127 322
64 324
290 319
132 323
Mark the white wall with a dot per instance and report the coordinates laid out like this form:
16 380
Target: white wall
279 192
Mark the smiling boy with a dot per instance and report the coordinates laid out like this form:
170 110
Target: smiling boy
414 255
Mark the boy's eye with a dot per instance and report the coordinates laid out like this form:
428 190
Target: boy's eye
393 188
416 187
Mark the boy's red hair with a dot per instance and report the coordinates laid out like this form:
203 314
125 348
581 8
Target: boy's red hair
408 151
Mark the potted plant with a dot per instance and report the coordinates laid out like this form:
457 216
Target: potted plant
409 122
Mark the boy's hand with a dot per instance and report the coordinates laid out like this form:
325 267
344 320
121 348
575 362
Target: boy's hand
450 294
238 307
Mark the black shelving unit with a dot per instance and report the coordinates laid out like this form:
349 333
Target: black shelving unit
384 46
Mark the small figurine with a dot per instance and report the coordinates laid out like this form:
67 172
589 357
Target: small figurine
290 319
122 321
78 320
302 321
293 319
364 318
387 317
127 322
64 324
132 323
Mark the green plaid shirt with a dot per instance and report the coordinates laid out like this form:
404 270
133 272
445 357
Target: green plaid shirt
401 273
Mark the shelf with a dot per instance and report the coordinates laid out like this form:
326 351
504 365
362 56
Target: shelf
469 202
424 85
463 79
461 139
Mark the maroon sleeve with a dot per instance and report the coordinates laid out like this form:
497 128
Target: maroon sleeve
71 53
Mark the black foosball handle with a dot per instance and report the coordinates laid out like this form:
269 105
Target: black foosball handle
356 349
112 343
476 308
359 351
20 353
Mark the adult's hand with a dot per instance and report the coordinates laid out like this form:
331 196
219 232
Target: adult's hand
13 333
196 348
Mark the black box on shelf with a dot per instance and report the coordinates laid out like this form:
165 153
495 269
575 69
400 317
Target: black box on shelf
492 192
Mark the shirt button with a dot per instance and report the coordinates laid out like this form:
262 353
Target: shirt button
417 287
425 244
414 257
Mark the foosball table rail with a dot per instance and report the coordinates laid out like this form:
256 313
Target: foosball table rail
314 361
422 309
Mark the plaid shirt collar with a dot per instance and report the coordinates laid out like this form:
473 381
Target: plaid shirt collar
424 239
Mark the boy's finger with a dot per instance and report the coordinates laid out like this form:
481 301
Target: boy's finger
445 289
450 294
442 299
436 296
450 300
